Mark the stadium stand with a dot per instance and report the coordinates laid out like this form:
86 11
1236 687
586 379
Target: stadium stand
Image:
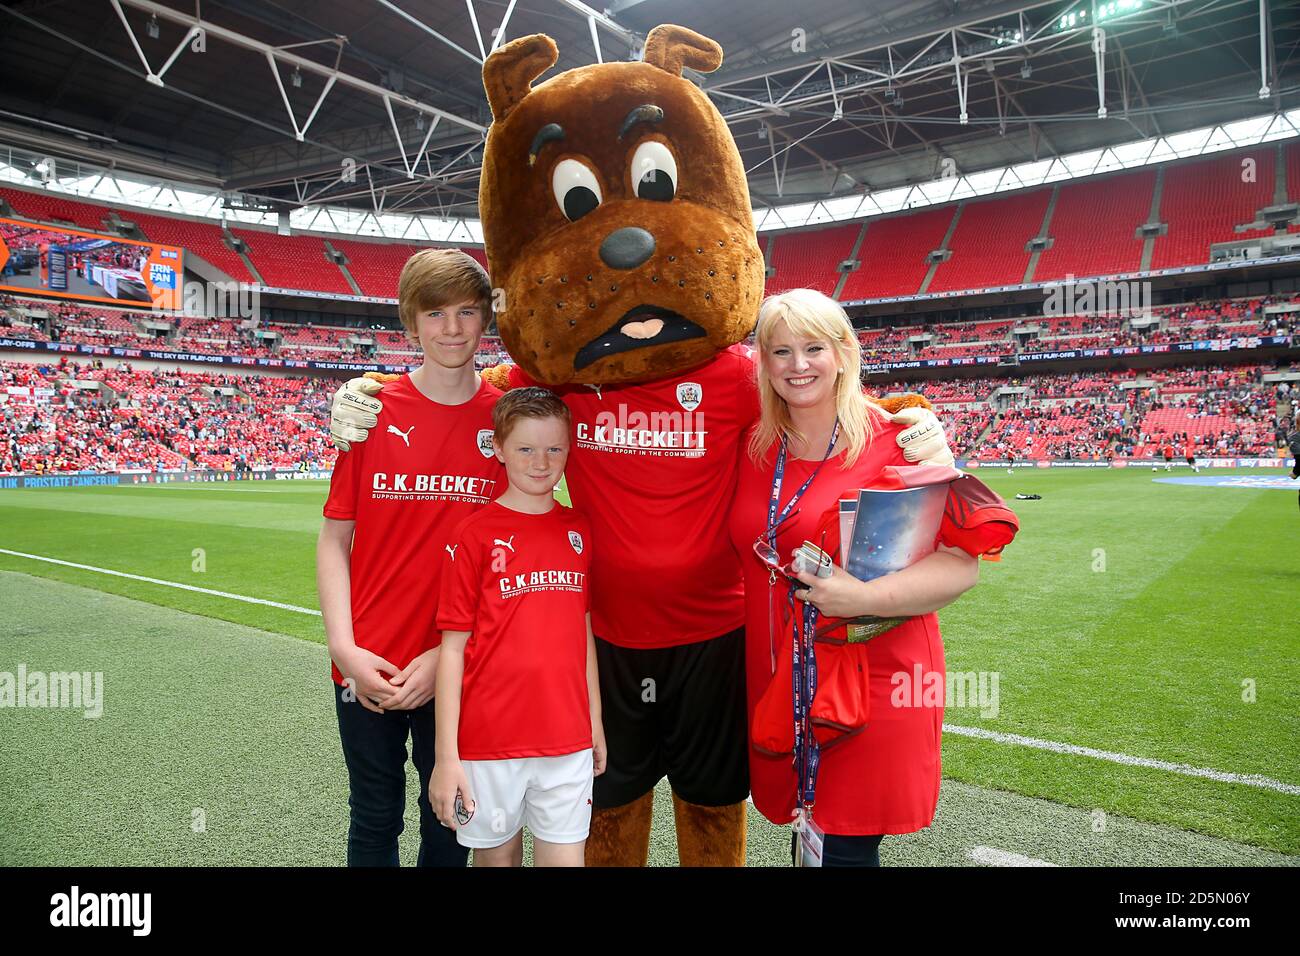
807 260
97 325
1292 153
98 418
101 419
893 254
1094 227
1214 411
1203 202
290 262
204 239
51 207
293 262
375 266
988 245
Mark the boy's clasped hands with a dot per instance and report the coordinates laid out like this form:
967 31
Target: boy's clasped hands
404 689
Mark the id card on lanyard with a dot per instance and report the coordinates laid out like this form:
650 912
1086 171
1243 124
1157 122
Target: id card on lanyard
807 753
810 841
776 518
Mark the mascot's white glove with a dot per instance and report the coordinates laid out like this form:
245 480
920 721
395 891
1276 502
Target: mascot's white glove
354 411
923 441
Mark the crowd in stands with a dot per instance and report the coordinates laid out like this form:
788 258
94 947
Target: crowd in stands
1072 430
72 416
78 416
1223 411
101 417
1199 321
91 325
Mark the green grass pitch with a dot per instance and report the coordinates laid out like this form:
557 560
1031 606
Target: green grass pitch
1133 617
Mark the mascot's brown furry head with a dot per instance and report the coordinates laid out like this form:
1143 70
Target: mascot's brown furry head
615 213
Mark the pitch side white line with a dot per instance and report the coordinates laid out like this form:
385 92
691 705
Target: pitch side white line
1222 776
166 584
991 856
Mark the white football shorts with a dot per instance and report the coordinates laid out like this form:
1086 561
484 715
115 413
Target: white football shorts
552 795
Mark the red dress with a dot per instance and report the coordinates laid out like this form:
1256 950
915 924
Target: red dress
884 779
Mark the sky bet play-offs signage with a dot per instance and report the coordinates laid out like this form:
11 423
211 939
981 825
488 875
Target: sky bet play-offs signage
87 266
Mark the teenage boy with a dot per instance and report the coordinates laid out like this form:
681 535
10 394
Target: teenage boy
520 737
392 506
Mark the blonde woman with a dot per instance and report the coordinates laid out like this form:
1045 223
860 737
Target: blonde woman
819 436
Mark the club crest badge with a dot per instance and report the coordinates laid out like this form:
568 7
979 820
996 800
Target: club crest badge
485 442
575 539
689 395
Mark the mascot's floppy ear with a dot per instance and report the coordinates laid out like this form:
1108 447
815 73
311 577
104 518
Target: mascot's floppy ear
671 47
508 73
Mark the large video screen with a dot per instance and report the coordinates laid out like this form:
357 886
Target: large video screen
81 265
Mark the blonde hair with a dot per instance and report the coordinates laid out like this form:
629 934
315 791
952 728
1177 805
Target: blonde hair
809 314
433 278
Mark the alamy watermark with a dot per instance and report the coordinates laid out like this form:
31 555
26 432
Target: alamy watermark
66 690
1100 297
221 299
133 911
956 689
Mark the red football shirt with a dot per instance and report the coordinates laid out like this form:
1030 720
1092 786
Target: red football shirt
518 583
425 468
653 467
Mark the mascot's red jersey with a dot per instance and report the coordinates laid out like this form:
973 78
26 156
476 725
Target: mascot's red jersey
653 467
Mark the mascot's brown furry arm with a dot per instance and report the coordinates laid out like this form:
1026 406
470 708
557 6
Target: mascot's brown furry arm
617 223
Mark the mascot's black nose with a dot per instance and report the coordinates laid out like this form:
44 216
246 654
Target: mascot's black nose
627 248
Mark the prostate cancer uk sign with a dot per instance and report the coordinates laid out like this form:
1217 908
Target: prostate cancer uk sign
76 264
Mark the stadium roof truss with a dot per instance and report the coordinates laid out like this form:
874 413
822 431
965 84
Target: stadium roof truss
105 186
278 58
818 111
1159 149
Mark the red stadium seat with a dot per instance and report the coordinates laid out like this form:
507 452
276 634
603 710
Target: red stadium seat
1203 202
807 260
293 262
1094 227
205 239
988 245
893 254
49 207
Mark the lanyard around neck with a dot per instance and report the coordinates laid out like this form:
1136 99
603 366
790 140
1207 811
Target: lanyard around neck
774 518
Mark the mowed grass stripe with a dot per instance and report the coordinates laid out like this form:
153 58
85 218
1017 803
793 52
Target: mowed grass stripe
1096 658
1161 652
160 583
1085 685
247 505
269 564
1246 815
961 730
239 724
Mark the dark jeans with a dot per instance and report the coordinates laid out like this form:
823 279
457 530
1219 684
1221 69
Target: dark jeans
374 749
845 850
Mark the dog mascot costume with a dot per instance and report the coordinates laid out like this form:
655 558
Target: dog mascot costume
617 221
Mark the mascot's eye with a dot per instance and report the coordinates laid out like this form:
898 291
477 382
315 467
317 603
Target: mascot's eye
654 171
575 188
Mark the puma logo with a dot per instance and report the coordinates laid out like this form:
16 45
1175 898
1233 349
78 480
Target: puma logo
506 544
405 436
451 548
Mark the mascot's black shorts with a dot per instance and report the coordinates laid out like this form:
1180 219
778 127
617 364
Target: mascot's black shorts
677 712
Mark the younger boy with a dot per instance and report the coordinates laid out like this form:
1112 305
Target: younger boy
519 725
393 504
